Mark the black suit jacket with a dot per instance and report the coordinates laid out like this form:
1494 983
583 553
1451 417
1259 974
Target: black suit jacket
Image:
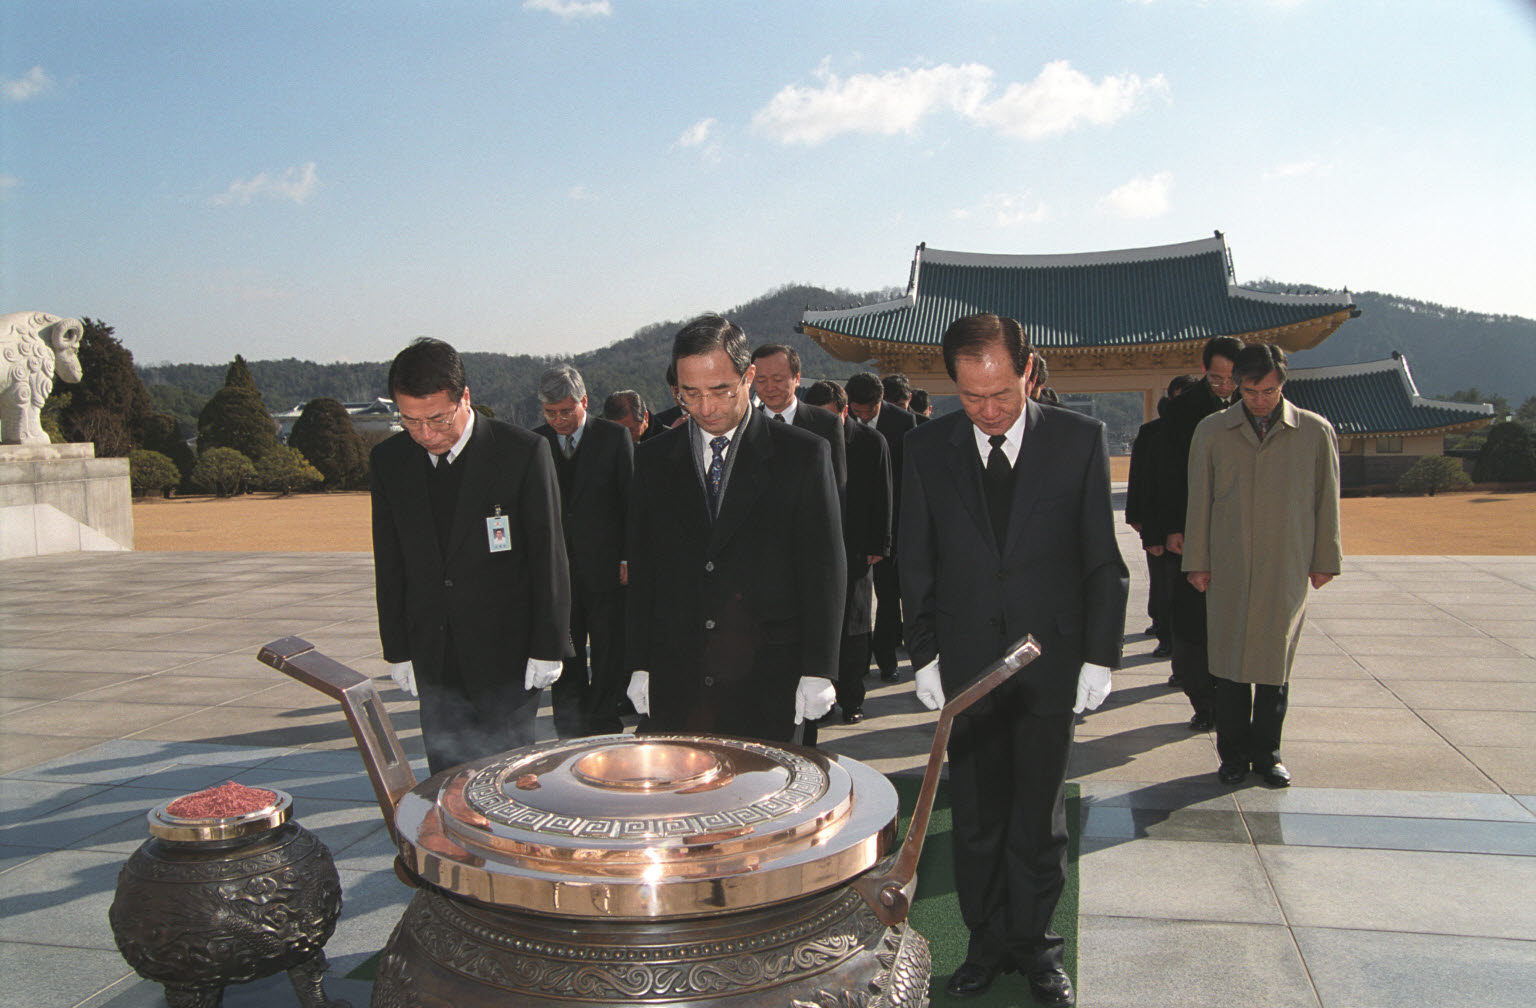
825 425
1141 486
595 510
500 608
1059 577
894 423
867 520
1182 415
662 422
727 615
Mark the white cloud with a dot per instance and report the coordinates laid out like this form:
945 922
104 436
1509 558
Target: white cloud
697 134
31 84
7 183
1058 100
571 9
296 184
1296 169
1008 210
580 194
1140 197
887 103
1061 99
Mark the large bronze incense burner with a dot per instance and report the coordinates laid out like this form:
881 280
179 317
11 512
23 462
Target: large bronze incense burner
664 870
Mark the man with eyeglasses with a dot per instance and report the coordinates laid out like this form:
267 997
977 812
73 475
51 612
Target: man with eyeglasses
736 569
470 571
1164 523
1262 526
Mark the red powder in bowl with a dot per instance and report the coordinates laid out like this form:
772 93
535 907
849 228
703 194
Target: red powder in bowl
226 800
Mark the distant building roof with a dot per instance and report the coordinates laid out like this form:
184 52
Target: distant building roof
1164 294
1377 398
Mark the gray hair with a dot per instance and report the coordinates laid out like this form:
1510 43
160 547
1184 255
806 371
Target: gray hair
561 383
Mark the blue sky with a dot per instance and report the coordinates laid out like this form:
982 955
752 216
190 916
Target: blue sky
328 181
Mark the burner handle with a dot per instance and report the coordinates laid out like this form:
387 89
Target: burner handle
889 893
388 767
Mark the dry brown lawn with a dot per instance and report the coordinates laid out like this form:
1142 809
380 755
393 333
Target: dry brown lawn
1460 524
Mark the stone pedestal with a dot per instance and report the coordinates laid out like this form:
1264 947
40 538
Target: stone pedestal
61 498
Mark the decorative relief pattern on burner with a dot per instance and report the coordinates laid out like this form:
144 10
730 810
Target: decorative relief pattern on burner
487 793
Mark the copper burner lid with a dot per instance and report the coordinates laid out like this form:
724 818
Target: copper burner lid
634 827
183 829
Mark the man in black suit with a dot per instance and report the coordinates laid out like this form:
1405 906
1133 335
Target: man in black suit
594 460
865 402
736 571
625 407
1140 508
776 369
866 539
1165 522
1006 530
470 572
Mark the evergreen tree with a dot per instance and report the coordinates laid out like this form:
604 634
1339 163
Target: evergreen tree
325 434
222 472
151 471
1507 456
109 405
1432 473
284 469
236 417
163 433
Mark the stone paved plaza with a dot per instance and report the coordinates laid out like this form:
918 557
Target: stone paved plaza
1400 869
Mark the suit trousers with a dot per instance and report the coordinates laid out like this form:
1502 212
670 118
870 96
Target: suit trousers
459 725
1161 572
1007 774
1249 720
586 697
1190 662
887 633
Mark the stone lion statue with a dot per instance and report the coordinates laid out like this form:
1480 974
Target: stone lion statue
34 346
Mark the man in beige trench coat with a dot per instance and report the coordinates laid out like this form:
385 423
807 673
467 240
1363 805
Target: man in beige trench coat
1262 524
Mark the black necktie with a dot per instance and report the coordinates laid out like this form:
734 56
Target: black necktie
570 445
780 418
999 484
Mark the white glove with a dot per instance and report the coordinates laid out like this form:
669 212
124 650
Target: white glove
930 687
1092 687
541 672
404 676
639 691
813 698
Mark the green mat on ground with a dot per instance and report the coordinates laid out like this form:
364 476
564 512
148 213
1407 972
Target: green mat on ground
936 911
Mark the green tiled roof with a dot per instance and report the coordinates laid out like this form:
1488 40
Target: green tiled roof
1165 294
1378 397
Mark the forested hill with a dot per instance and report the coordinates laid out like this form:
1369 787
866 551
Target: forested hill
1447 348
507 383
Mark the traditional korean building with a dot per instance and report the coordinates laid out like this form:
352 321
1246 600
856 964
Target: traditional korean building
1126 320
1384 425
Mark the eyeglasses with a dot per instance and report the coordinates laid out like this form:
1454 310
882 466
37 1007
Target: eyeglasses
1261 393
437 423
1217 381
698 397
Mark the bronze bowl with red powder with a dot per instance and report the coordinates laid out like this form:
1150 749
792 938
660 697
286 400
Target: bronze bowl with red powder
227 889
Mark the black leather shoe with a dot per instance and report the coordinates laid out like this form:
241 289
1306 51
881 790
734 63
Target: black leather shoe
891 676
1051 988
1275 776
853 716
1232 773
970 980
1202 722
1162 651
